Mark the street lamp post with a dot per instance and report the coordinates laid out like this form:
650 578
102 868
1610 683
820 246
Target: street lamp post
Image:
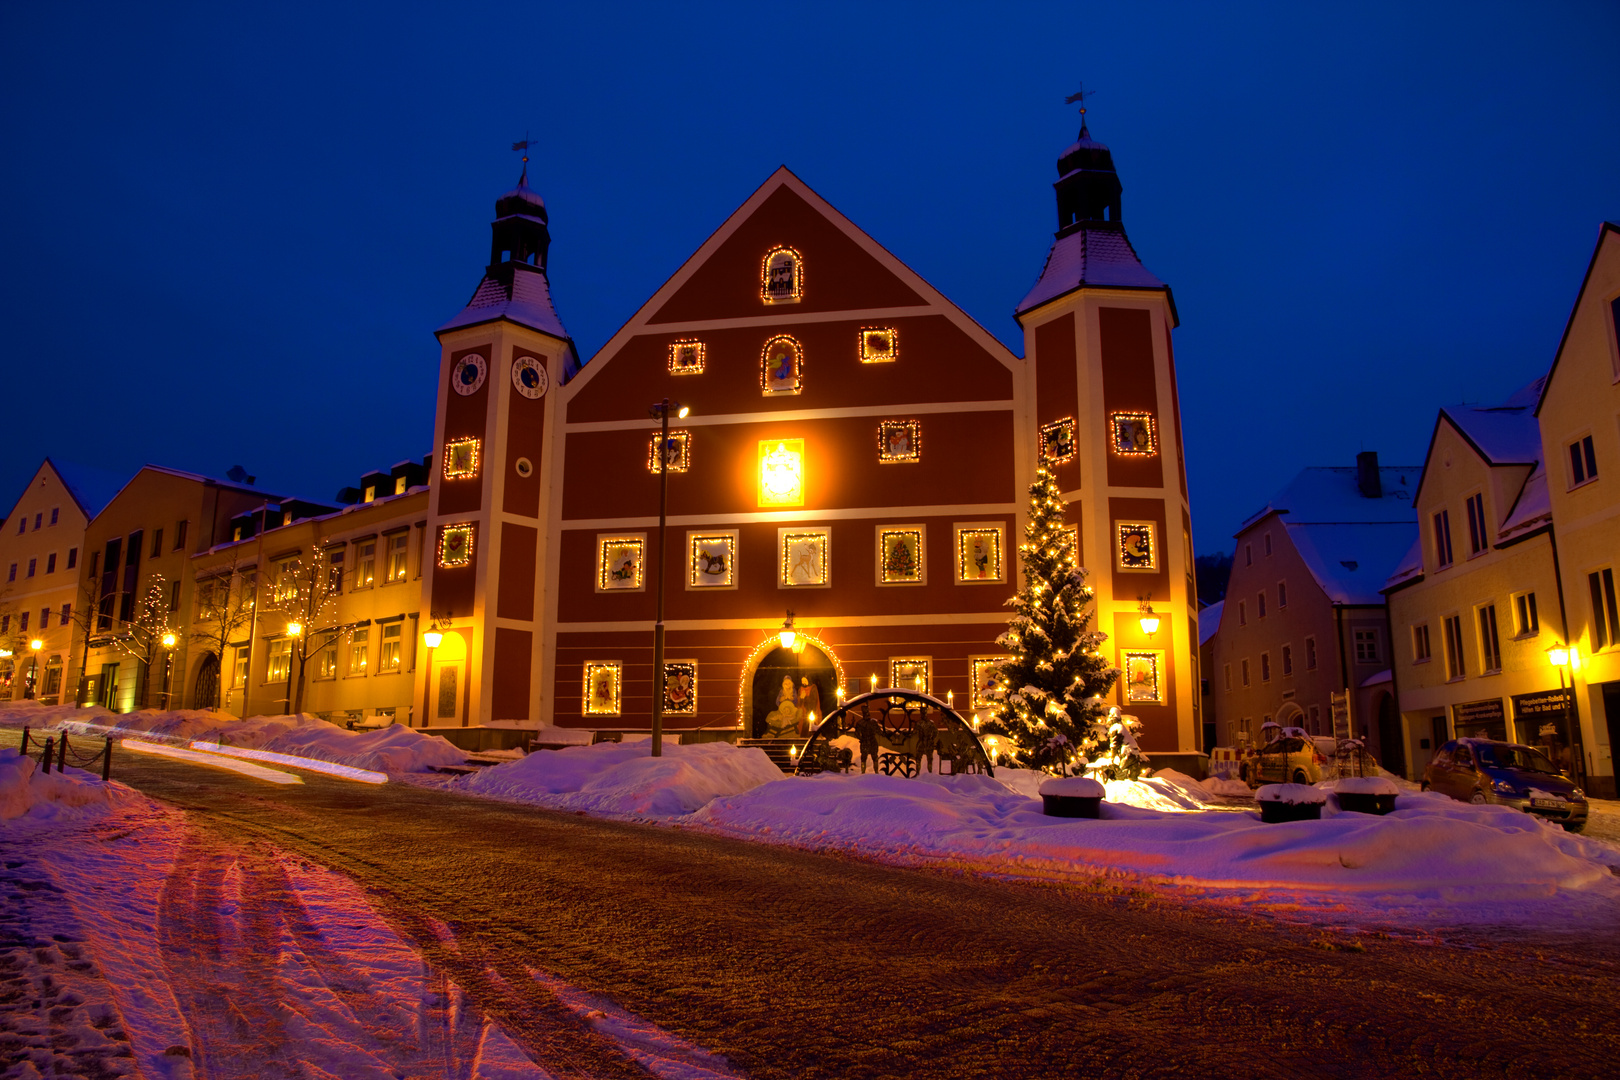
33 669
661 411
1562 656
295 630
168 665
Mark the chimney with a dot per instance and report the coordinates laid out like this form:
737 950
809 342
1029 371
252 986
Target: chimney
1367 475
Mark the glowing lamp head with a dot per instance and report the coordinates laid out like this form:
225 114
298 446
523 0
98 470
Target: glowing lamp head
683 412
432 638
1150 624
295 629
168 641
874 682
36 644
788 638
1558 656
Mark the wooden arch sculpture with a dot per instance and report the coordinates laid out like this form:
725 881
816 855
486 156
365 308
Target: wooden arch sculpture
900 731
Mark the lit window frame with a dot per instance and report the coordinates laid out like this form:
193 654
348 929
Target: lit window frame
1057 435
454 472
696 541
913 433
796 294
469 532
903 671
607 566
1148 663
978 698
1116 431
868 354
786 537
1123 556
683 452
698 354
615 705
918 535
964 532
672 669
798 367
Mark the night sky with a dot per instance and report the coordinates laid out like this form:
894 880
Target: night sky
230 231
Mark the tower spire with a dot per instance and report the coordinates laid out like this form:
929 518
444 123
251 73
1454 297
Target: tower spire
1081 95
523 145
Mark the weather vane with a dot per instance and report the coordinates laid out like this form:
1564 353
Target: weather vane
1080 95
523 145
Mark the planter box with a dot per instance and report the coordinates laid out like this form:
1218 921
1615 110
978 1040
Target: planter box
1275 812
1356 803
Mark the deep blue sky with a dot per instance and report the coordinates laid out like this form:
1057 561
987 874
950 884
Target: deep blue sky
231 230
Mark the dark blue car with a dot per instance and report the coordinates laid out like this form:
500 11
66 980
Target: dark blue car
1488 771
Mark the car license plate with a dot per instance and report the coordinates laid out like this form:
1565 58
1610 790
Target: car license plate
1554 804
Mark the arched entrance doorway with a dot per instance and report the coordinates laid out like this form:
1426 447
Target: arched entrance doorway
1291 715
205 690
782 687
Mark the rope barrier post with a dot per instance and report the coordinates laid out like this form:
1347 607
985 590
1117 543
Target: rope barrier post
46 760
61 753
106 762
24 748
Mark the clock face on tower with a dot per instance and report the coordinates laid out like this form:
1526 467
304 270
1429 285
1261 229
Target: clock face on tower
468 373
529 377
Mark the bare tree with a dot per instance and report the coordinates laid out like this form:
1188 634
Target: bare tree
306 592
224 603
142 637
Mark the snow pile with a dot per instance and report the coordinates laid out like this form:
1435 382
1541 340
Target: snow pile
624 779
391 749
1292 794
1073 787
1225 785
1364 785
25 790
1433 852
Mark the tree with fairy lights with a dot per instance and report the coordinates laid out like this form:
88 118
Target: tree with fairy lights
1048 692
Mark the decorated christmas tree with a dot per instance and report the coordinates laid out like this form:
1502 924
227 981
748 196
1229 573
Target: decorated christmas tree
1048 696
1119 758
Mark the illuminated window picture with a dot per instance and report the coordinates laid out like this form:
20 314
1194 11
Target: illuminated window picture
1142 678
879 345
455 545
686 357
782 277
713 560
677 452
461 459
900 555
1135 546
680 686
909 673
620 562
978 554
781 367
603 680
803 559
983 670
1058 441
1069 537
899 440
1132 434
781 472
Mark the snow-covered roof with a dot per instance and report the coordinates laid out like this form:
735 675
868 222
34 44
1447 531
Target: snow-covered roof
1532 509
91 488
1096 253
1209 621
1330 494
1505 434
1385 676
1352 561
1410 566
528 303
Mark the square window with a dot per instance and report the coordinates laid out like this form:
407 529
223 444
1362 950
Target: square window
461 460
1367 651
1132 434
781 472
781 367
1143 684
677 452
1058 442
279 660
978 553
879 345
455 546
910 673
601 696
1135 546
712 558
680 687
687 357
900 551
982 670
899 441
804 558
620 562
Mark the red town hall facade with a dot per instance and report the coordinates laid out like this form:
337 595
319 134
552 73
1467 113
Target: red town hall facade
857 453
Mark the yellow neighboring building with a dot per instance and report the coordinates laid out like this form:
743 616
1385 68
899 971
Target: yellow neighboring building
1475 606
1579 414
41 545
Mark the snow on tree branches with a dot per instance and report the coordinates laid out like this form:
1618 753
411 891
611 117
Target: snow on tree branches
1048 692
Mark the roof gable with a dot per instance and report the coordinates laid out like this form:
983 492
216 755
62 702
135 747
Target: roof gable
1607 230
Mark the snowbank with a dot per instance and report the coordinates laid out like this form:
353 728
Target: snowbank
625 779
393 749
26 791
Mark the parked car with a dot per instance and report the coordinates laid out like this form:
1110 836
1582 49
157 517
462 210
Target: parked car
1288 759
1509 774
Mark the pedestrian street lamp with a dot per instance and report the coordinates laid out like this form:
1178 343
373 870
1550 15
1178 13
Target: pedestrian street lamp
34 645
1560 657
168 641
667 456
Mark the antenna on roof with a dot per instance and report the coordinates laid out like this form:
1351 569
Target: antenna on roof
1080 95
523 145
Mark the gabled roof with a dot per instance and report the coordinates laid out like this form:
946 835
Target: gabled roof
1531 510
1410 568
91 488
1603 233
1352 562
1328 494
527 302
1095 253
1505 435
198 478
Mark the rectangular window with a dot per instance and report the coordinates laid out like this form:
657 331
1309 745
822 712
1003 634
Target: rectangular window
180 534
1248 554
358 658
286 588
73 560
44 617
1454 647
388 658
1227 671
1310 654
1582 461
326 663
1525 619
1366 646
1245 672
5 624
1282 594
174 596
1287 660
334 570
1442 539
1260 607
11 575
1268 545
280 660
22 525
1605 617
67 613
368 564
157 543
1476 523
1490 645
397 546
55 510
33 564
239 677
1243 614
1420 643
50 563
22 623
1265 667
39 520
